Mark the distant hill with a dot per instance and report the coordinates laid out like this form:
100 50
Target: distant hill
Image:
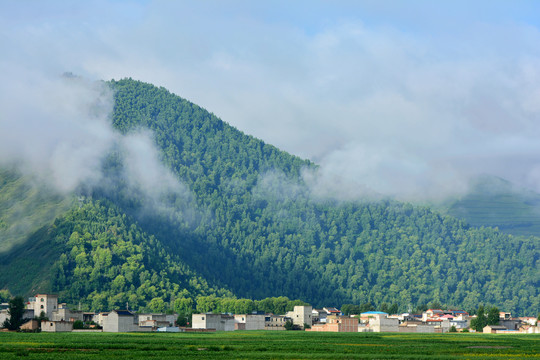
249 226
25 206
496 202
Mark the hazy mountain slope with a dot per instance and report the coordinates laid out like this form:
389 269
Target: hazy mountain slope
497 203
241 218
100 257
25 269
259 231
25 206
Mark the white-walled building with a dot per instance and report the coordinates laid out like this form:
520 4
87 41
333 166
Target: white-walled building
249 322
46 303
65 314
56 326
219 322
157 320
301 315
383 324
122 321
275 322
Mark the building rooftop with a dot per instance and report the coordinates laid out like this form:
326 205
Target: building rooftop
123 312
374 313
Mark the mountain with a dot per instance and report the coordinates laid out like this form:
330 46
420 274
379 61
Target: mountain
25 206
495 202
243 222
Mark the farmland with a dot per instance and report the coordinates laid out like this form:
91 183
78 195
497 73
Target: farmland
267 345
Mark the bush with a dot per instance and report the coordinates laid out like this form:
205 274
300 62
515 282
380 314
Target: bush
78 324
453 329
182 320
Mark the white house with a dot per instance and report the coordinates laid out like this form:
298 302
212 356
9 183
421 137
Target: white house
219 322
56 326
249 322
122 321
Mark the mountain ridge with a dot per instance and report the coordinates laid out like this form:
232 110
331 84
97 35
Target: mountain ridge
253 235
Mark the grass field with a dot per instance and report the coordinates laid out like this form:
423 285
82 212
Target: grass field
267 345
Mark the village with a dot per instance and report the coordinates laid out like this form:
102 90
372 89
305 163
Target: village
43 312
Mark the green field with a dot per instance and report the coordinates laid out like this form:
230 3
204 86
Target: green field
268 345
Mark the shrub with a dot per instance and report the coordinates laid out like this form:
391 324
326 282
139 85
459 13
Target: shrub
78 324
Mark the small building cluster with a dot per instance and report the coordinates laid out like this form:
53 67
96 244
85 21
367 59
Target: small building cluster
59 318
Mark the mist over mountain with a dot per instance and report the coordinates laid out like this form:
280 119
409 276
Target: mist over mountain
165 200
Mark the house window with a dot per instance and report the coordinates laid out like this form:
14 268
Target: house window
202 318
41 299
42 306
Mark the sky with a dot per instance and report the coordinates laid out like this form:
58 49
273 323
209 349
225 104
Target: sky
407 98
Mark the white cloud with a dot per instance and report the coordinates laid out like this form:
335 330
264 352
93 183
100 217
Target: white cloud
396 104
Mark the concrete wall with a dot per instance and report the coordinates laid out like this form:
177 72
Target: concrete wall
3 317
302 315
337 324
275 322
66 315
30 325
425 328
380 324
56 326
46 303
117 323
213 321
250 322
159 320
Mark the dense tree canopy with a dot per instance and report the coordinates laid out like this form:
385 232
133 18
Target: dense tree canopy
248 226
15 313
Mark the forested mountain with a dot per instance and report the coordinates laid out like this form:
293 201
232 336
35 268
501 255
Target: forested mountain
248 225
25 206
496 202
98 256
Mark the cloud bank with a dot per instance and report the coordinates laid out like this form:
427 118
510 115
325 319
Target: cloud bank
58 129
382 98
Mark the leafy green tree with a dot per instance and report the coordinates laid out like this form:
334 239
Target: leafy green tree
183 306
78 324
349 309
480 321
4 295
289 325
42 317
493 316
366 307
435 305
15 313
182 320
157 305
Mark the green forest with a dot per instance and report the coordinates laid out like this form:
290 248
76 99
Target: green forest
249 228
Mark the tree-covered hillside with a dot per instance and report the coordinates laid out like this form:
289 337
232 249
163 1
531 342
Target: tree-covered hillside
97 256
270 236
25 206
246 224
495 202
